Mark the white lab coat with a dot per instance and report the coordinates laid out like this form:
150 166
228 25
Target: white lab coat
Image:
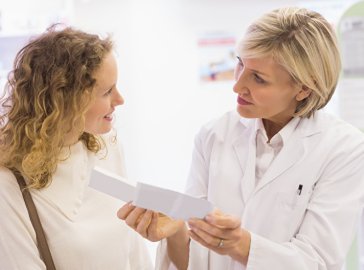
313 230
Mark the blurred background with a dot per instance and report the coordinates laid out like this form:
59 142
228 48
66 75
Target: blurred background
175 69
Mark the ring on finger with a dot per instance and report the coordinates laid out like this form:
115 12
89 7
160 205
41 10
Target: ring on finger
221 243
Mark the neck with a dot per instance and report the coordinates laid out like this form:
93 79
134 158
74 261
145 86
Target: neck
272 128
70 139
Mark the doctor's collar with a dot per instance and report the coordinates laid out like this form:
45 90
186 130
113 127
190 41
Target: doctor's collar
246 121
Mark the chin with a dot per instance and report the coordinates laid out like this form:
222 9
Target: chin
99 131
104 131
245 113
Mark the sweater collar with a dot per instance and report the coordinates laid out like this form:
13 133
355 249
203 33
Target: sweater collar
69 182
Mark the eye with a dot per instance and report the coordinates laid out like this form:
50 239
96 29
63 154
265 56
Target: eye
108 92
258 79
238 68
240 62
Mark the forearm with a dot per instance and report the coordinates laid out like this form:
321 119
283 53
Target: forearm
178 248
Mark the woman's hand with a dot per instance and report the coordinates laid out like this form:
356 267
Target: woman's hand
222 234
149 224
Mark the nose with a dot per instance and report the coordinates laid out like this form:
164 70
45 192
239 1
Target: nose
240 83
118 99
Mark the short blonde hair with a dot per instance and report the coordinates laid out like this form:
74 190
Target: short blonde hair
49 91
304 43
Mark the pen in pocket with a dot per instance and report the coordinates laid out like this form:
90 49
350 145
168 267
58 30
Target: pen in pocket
299 190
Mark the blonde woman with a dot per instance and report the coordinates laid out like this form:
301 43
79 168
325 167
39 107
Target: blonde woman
287 178
61 97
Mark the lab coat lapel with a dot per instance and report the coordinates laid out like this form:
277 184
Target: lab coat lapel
291 153
285 159
245 150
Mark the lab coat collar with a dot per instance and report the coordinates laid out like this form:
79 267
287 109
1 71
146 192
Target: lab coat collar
282 137
245 148
246 121
66 192
293 150
313 125
308 126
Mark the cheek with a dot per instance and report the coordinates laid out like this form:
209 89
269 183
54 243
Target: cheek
274 95
263 95
92 116
267 100
98 109
92 120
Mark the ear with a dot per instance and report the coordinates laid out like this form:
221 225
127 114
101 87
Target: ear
303 93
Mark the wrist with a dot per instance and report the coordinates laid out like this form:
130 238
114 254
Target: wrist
180 236
243 248
178 248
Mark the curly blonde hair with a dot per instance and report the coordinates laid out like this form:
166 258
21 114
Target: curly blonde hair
48 93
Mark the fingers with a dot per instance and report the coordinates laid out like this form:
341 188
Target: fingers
216 232
223 221
125 210
205 237
133 216
144 222
219 232
210 243
152 229
237 247
154 221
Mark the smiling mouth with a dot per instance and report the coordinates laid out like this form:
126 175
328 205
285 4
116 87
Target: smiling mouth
109 116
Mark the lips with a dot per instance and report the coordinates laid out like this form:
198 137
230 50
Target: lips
242 101
109 116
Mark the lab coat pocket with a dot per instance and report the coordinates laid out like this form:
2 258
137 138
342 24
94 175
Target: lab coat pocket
291 208
291 200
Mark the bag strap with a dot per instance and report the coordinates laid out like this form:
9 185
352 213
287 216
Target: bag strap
43 247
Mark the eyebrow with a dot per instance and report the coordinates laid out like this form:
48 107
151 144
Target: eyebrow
256 71
241 61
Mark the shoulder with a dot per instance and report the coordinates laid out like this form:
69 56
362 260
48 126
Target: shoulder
334 128
7 180
334 136
9 188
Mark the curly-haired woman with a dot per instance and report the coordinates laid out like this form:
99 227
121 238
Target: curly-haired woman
61 97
